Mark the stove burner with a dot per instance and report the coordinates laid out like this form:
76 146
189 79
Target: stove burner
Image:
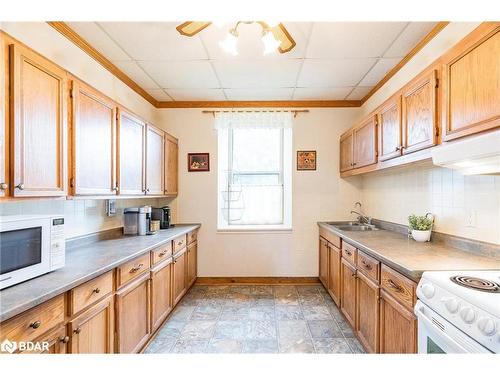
476 283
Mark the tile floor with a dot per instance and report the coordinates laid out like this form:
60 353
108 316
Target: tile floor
256 319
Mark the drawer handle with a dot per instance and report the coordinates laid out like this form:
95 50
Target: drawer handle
96 291
367 266
179 243
78 330
394 285
36 324
64 339
4 186
137 268
162 253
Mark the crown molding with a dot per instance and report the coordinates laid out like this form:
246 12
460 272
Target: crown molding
262 104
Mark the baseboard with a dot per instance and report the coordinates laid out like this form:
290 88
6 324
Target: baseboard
257 280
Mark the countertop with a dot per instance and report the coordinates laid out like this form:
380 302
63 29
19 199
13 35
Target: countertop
412 258
83 263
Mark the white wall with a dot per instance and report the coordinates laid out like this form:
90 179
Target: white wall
317 195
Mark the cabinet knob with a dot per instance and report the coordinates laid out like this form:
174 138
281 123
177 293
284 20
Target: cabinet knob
20 186
4 186
36 324
399 148
96 291
147 190
116 188
64 339
78 330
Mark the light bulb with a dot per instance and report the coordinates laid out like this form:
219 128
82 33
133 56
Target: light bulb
230 43
271 44
272 24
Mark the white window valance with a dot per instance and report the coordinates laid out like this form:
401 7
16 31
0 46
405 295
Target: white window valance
253 120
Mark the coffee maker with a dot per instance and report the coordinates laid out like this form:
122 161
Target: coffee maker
162 214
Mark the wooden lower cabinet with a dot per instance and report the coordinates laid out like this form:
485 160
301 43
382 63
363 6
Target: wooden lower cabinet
334 273
398 326
323 262
133 315
367 312
348 291
192 260
93 330
179 269
56 339
161 293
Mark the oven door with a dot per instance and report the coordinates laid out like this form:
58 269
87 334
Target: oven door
24 250
437 335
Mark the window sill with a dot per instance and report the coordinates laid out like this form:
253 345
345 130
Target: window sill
256 229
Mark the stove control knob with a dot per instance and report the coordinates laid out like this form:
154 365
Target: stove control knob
467 314
451 304
428 290
486 326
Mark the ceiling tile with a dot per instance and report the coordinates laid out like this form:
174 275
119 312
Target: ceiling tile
409 38
318 93
98 39
333 73
197 94
379 71
181 74
336 40
259 94
359 93
154 41
257 74
159 94
137 74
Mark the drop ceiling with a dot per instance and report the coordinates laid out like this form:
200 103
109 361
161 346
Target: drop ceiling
332 60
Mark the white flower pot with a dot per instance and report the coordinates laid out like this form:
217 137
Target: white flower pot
421 235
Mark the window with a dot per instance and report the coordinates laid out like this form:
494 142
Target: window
254 165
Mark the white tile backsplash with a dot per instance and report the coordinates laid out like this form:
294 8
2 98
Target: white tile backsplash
393 195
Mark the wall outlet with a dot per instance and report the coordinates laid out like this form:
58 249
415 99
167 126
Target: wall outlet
470 218
110 207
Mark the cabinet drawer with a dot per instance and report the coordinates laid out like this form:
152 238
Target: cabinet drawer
330 237
368 266
132 269
35 322
161 253
192 236
349 253
179 243
92 291
398 286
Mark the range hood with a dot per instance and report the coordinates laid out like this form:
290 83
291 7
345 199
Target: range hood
474 155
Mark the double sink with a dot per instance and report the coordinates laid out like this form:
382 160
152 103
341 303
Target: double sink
352 226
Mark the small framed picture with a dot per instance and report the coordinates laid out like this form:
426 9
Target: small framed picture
199 162
306 160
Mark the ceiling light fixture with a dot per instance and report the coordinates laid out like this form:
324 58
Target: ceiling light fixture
271 44
230 44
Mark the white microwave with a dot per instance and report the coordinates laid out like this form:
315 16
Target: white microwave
30 246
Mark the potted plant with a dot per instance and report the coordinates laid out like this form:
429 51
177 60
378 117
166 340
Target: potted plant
421 227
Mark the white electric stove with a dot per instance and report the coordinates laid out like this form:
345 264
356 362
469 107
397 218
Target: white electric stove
459 312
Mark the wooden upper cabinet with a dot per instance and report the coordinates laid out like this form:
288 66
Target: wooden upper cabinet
365 143
39 124
93 142
346 151
171 165
131 154
155 148
389 129
471 84
419 111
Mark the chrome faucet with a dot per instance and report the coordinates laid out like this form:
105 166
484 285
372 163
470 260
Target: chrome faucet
362 218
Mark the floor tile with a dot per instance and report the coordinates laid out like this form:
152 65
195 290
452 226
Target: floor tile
161 345
332 345
262 290
190 346
316 313
172 328
293 328
289 313
206 312
346 329
234 313
232 330
261 313
260 346
311 299
182 313
355 345
224 346
198 329
296 345
324 329
308 289
263 300
262 329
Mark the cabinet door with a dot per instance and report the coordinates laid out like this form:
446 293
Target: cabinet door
133 316
365 143
389 129
323 262
346 151
131 154
94 142
93 331
419 102
56 339
4 156
348 291
471 82
39 126
155 148
171 165
334 273
179 276
192 258
398 326
161 293
367 313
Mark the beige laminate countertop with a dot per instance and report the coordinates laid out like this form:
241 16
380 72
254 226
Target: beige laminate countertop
410 257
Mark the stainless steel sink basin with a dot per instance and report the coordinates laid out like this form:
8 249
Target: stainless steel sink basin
352 226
